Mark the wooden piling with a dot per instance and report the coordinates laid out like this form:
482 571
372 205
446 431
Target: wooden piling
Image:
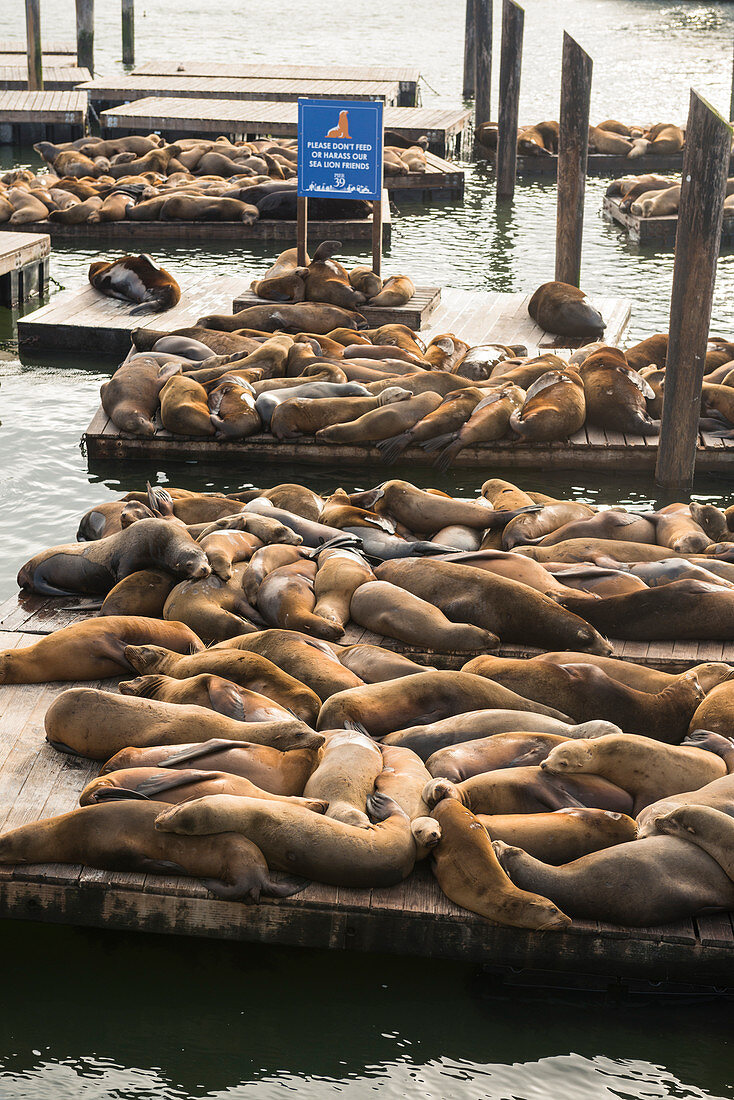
731 100
85 34
128 32
470 60
700 214
572 152
483 61
513 18
33 45
301 230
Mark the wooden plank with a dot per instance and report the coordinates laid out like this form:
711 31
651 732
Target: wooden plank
39 107
127 89
715 930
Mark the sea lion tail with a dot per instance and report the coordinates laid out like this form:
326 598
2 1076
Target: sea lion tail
438 441
285 888
380 807
392 447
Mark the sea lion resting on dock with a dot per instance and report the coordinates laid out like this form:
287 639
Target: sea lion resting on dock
174 786
136 279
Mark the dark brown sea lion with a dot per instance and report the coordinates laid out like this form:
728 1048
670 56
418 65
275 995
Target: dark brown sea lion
615 394
95 567
286 317
232 408
327 281
680 610
654 349
554 408
136 279
131 396
565 310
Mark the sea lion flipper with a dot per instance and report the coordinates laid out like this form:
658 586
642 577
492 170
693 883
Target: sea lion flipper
285 888
119 794
149 788
225 698
350 724
196 752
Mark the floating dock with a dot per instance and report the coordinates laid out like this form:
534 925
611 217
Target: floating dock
85 321
148 235
56 78
104 93
414 314
597 164
441 181
660 232
411 918
26 117
24 266
446 129
346 74
17 46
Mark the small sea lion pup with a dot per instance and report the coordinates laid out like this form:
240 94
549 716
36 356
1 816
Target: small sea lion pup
565 310
136 279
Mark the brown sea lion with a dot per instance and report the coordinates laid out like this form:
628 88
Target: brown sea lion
327 281
554 408
423 512
373 664
207 690
529 790
396 291
142 593
345 776
131 396
286 598
654 349
232 408
680 610
96 723
425 739
184 407
597 549
77 214
448 418
535 525
287 317
383 422
641 677
710 829
562 835
310 660
363 278
676 528
487 754
340 574
215 609
180 785
386 609
403 778
120 836
716 711
489 420
226 548
304 416
615 394
470 875
565 310
265 561
657 204
136 279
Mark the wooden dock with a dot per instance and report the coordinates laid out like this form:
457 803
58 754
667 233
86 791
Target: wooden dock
24 266
56 78
88 322
446 129
597 164
346 74
659 232
104 92
414 314
150 234
17 46
442 181
26 117
411 918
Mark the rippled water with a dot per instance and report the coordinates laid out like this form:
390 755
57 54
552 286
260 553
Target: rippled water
104 1015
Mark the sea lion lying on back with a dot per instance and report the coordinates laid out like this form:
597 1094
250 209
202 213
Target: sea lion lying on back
136 279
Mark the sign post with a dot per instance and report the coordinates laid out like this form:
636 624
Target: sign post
340 157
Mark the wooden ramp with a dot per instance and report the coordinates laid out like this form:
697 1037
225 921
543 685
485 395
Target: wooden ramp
415 313
447 129
32 116
412 918
659 232
346 74
24 264
105 92
55 77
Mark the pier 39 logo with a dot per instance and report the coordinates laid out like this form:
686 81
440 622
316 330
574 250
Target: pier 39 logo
340 148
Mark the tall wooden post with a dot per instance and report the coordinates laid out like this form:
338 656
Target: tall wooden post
128 32
731 101
85 34
483 62
33 44
700 215
513 18
469 51
572 152
301 230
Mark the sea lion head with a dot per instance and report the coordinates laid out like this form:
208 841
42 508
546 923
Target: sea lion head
569 757
143 658
685 821
426 834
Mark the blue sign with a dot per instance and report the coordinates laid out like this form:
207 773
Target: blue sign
340 148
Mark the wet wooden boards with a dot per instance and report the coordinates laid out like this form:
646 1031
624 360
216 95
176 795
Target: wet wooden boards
659 232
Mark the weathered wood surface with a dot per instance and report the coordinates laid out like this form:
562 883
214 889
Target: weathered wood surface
445 128
34 53
470 50
85 33
573 148
483 61
17 46
414 314
55 77
411 918
32 614
513 19
126 89
441 180
19 249
658 232
701 211
128 32
43 107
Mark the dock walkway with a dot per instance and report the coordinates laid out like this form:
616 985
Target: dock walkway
106 92
411 918
447 129
56 78
26 116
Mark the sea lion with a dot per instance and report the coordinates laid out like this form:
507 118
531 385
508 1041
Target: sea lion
284 280
142 593
327 281
174 786
565 311
470 875
232 409
131 396
113 209
90 650
489 420
373 664
716 711
719 794
226 548
644 767
304 416
529 790
310 660
264 561
616 394
97 723
562 835
585 691
120 836
364 279
487 754
340 574
472 725
396 291
536 524
515 568
642 883
78 213
609 143
423 512
267 402
554 408
403 778
641 677
246 669
447 419
710 829
208 690
512 611
386 609
270 769
607 524
345 776
215 609
287 317
595 549
676 528
286 598
317 847
136 279
95 567
679 610
654 349
657 204
184 407
381 708
383 422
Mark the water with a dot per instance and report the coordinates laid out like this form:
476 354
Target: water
101 1015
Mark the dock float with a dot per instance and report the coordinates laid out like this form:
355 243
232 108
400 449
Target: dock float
407 78
412 918
660 232
24 266
597 164
441 181
56 78
104 93
446 129
87 322
148 235
414 313
26 116
49 46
